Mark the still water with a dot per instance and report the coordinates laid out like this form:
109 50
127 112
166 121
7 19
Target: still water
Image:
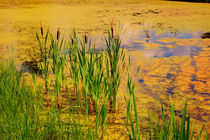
174 60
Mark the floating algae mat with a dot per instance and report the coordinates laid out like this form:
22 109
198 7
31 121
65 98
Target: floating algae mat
163 37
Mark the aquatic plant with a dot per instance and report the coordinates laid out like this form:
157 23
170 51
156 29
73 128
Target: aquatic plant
17 104
134 130
90 82
95 76
58 64
23 115
165 128
115 63
171 128
45 54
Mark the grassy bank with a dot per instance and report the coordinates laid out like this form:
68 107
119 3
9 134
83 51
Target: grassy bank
24 114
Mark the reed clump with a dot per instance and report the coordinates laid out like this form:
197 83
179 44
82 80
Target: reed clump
96 77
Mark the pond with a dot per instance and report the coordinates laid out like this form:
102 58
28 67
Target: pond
163 37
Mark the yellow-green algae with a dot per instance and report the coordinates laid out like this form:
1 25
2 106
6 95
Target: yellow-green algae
190 75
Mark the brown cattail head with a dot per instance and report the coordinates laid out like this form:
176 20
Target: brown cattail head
85 37
112 30
58 33
72 40
41 28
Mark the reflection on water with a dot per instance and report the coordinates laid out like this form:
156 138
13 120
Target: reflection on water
175 65
165 44
172 63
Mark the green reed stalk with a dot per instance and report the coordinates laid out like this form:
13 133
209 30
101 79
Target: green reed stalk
206 137
74 67
134 133
115 56
171 128
104 109
34 82
58 64
87 68
18 112
45 55
23 115
98 86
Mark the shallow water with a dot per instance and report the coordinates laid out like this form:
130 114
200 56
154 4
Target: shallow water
174 60
175 65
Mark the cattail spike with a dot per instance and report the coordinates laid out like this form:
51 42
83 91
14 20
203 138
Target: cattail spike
58 33
41 28
85 37
112 30
72 40
112 24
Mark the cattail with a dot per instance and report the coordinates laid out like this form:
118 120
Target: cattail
112 29
85 37
58 33
41 28
72 40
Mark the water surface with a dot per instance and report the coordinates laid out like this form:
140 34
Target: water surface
174 61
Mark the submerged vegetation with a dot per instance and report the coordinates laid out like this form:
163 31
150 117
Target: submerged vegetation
80 83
